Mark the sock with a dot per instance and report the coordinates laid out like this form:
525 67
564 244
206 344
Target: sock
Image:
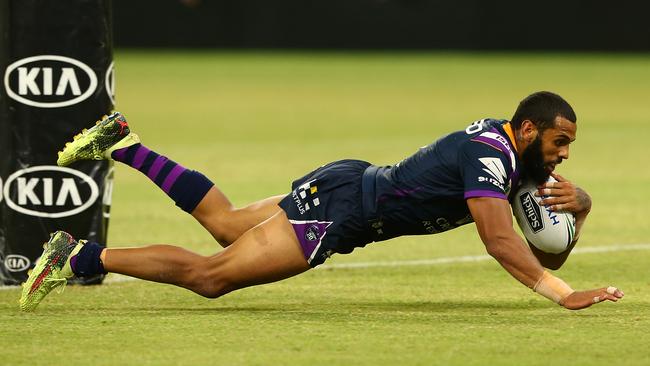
185 187
87 261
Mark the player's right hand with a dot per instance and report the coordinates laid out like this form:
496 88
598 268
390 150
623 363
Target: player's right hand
584 299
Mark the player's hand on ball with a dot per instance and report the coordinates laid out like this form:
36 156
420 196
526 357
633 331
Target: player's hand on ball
564 196
584 299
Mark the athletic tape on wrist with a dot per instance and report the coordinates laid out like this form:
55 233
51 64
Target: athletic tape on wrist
552 288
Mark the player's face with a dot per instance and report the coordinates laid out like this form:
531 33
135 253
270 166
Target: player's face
548 150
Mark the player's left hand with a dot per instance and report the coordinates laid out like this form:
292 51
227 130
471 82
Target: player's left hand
564 196
584 299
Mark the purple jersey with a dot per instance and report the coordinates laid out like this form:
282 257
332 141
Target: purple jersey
426 192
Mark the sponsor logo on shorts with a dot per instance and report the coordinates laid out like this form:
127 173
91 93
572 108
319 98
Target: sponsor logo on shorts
533 213
298 201
326 254
304 195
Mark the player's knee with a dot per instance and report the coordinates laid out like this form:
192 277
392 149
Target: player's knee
209 282
215 289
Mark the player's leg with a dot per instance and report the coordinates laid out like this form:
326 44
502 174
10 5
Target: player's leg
227 223
266 253
189 189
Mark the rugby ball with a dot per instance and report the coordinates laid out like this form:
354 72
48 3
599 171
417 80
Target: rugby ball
550 232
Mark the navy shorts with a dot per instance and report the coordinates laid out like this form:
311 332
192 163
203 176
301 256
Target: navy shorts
325 209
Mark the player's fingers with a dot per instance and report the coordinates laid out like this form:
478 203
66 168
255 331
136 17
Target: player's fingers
549 185
558 203
611 290
558 207
610 298
596 299
544 191
610 293
604 297
558 177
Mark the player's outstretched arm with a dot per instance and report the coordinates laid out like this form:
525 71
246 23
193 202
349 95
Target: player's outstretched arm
494 224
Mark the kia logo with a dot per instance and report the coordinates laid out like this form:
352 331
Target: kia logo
49 191
16 263
49 81
109 82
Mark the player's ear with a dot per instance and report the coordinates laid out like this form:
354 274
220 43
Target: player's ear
528 131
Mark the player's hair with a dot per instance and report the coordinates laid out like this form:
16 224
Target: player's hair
542 108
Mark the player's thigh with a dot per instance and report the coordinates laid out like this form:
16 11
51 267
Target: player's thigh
266 253
236 222
227 223
257 212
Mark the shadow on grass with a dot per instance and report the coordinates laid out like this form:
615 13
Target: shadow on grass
356 307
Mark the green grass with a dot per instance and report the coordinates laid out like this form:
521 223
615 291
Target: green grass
255 121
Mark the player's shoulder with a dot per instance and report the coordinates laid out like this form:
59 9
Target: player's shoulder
487 138
488 133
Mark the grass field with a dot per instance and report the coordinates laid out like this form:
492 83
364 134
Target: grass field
255 121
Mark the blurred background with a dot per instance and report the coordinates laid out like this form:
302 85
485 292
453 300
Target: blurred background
384 24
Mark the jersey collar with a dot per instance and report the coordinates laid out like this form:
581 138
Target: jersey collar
511 135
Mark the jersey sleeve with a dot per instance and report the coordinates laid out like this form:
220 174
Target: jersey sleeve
485 169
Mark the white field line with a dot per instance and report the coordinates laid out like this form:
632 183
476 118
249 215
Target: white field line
116 278
476 258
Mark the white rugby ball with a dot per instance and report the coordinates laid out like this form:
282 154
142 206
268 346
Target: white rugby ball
550 232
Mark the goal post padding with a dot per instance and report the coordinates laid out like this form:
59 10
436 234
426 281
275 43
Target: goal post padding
56 60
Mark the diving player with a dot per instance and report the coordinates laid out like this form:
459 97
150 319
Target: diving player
466 176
